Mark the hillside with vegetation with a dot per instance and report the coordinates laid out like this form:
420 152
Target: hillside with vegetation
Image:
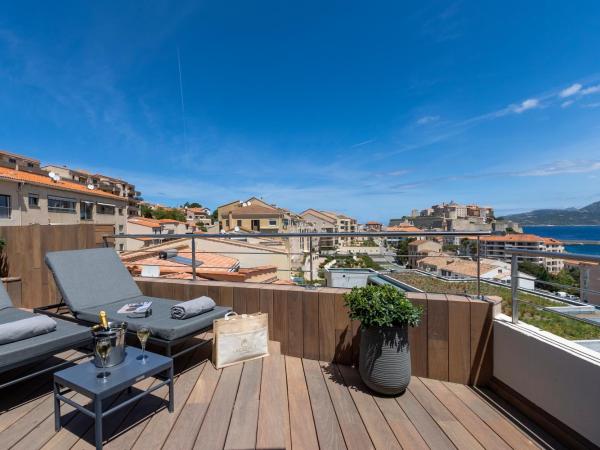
588 215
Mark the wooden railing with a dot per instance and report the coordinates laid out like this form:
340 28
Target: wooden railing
452 343
25 250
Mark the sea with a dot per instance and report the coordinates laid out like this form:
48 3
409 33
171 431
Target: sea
580 232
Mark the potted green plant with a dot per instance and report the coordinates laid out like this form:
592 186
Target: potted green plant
385 314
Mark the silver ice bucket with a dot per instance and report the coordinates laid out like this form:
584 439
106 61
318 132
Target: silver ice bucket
116 334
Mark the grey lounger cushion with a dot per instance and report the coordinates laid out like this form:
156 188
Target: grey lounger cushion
5 301
26 328
160 322
191 308
67 335
90 278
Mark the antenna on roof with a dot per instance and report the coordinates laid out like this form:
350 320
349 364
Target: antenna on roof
237 228
244 204
90 187
249 203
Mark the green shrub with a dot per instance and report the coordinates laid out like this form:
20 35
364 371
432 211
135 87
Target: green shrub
382 306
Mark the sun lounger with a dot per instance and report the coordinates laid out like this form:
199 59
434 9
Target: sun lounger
66 336
96 280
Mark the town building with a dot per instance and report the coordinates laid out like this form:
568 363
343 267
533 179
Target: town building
253 215
105 183
421 248
461 268
498 247
197 216
373 226
328 222
28 195
162 228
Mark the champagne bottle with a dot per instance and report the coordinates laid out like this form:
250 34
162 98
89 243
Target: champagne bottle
103 320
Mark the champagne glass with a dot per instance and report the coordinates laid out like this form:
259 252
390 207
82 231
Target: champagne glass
143 333
103 349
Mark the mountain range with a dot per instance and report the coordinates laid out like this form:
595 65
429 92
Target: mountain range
588 215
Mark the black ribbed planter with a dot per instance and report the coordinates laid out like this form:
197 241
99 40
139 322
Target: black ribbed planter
384 362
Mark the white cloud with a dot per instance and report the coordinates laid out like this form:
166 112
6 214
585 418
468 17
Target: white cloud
427 119
591 90
530 103
571 90
562 167
566 104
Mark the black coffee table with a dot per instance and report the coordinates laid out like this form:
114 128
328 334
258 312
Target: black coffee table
83 379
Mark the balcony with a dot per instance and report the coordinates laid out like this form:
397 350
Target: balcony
480 379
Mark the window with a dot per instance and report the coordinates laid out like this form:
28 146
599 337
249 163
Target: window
4 206
239 223
34 201
272 222
12 160
61 204
29 164
86 210
120 211
104 208
120 228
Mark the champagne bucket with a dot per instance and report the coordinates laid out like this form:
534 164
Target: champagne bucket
116 334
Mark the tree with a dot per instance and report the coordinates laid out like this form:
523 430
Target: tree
191 205
402 250
146 211
164 213
215 215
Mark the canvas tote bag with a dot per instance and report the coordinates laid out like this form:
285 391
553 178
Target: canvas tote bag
239 338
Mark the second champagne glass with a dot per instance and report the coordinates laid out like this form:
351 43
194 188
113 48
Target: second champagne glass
103 348
143 333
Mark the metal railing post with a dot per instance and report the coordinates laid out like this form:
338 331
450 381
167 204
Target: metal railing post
194 258
310 255
514 287
478 269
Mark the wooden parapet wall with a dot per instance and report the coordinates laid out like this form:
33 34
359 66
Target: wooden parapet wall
26 248
452 343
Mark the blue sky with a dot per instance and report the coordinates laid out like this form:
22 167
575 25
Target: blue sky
370 108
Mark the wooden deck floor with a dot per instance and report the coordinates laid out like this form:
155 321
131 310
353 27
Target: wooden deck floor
277 402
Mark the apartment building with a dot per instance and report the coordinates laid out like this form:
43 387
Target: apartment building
252 215
198 215
162 228
28 195
373 226
327 222
421 248
497 247
104 183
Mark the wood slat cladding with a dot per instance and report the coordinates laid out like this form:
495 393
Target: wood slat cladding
452 343
26 248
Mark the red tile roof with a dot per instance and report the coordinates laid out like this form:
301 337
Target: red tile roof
521 238
44 180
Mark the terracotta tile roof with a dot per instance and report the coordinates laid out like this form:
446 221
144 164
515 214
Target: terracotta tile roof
405 228
521 238
374 223
145 222
43 180
456 265
168 221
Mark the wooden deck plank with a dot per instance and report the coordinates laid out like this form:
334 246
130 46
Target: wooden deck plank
351 424
377 427
213 431
273 413
417 337
19 400
458 434
184 431
403 429
328 429
244 420
437 336
310 321
477 427
157 429
295 327
19 429
433 435
500 424
302 426
459 339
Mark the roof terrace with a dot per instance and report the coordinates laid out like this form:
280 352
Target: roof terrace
481 378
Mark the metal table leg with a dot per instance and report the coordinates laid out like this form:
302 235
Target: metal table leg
171 390
56 407
98 422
